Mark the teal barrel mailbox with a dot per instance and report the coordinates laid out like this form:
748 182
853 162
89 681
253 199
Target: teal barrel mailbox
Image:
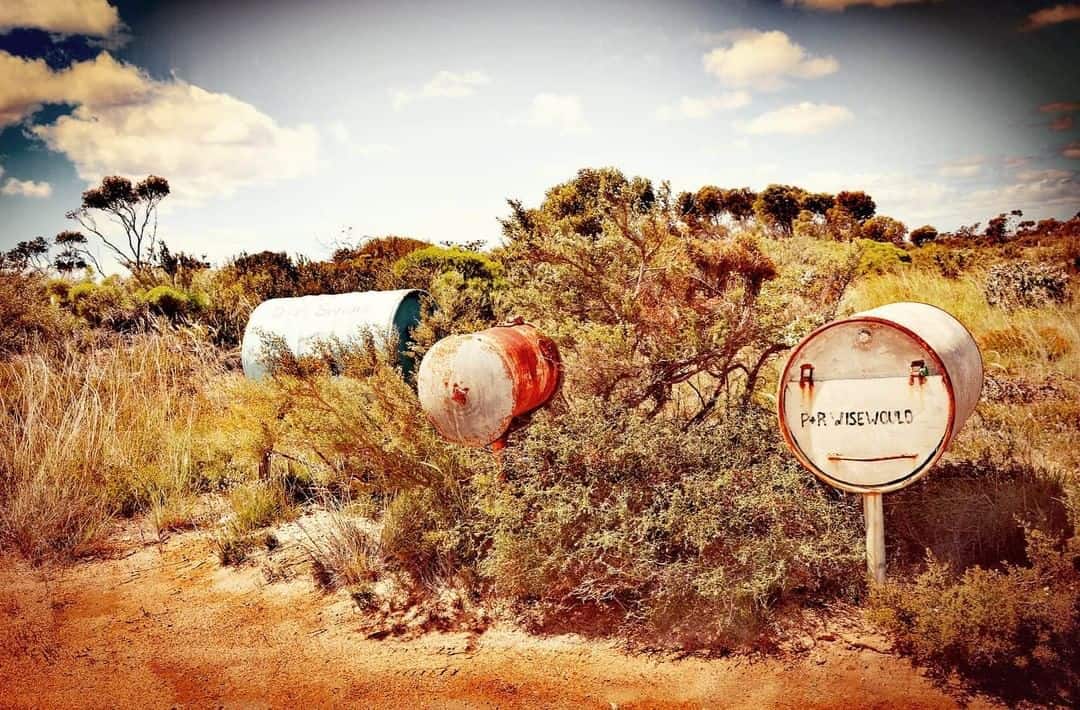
305 321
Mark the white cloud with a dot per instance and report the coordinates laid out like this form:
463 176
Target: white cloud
764 60
445 84
801 118
81 17
127 123
964 168
372 149
841 5
688 107
560 111
1066 12
27 84
25 188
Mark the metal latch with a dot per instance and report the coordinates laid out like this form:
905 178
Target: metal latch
918 369
806 374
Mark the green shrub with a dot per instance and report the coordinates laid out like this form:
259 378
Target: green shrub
1015 630
27 316
692 536
880 257
174 303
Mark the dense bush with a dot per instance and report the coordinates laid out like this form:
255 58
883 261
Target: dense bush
28 318
880 257
1016 630
1022 285
689 536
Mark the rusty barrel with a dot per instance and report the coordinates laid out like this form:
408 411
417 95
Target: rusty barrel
870 402
472 386
304 322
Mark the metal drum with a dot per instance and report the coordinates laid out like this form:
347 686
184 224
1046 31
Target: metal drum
869 403
306 320
472 386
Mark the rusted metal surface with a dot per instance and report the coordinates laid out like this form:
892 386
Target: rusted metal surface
472 386
869 403
304 321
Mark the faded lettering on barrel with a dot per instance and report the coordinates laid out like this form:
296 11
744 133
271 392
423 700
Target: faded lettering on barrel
472 386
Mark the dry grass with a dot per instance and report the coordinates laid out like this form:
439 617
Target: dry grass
87 435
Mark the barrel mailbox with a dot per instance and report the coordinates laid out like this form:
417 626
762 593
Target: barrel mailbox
869 403
472 386
305 321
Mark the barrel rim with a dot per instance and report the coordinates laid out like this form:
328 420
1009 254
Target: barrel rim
889 486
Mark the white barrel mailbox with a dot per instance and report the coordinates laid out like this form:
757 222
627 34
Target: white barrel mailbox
472 386
306 320
870 402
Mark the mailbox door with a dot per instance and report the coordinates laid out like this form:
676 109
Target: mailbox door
866 405
866 434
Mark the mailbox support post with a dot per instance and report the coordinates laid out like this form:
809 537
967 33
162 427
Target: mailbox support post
874 513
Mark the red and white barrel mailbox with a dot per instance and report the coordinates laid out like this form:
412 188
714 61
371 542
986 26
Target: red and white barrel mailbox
870 402
472 386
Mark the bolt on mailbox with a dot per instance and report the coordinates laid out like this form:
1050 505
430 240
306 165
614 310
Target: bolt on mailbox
870 402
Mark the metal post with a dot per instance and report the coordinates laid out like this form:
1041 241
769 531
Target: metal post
875 536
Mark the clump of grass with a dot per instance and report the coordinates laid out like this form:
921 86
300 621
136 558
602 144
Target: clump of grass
346 554
251 507
170 513
86 435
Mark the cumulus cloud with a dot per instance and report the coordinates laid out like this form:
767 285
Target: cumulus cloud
801 118
964 168
25 188
1066 12
127 123
77 17
841 5
445 84
765 60
27 84
560 111
688 107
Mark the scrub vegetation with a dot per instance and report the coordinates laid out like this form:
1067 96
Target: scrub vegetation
652 500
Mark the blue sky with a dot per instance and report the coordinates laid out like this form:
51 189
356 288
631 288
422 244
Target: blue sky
281 124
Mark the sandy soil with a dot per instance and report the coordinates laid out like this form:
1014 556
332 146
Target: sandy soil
164 625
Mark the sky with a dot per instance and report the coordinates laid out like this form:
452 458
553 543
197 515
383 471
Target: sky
296 125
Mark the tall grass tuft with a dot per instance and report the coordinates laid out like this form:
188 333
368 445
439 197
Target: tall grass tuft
88 435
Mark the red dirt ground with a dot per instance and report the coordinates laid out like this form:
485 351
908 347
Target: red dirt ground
164 625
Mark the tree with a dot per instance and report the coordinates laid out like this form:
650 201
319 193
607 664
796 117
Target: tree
73 254
884 229
739 203
858 204
709 203
646 305
131 207
26 255
923 234
818 203
778 205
